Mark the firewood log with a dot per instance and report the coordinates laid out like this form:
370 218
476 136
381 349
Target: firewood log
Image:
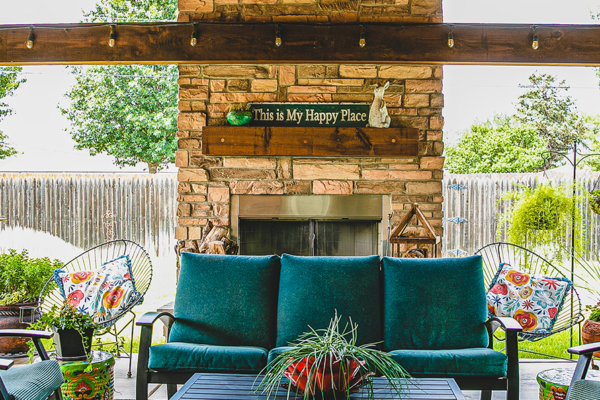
215 235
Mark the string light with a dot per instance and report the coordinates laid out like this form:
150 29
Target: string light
111 37
278 37
450 38
363 40
30 38
194 38
536 43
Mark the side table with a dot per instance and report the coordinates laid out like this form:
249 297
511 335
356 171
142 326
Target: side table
554 383
89 380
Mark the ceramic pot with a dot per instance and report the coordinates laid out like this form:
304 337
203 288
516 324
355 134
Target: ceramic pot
70 345
590 333
9 319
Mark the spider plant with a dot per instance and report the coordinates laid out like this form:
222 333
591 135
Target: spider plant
326 363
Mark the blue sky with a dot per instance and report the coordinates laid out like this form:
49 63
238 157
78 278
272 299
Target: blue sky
471 92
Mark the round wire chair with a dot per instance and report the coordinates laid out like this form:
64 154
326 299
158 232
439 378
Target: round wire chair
94 258
527 261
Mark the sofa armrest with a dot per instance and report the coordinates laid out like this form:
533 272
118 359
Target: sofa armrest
5 364
150 318
512 328
147 322
507 323
585 348
31 334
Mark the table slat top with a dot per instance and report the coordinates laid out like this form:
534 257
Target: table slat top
241 387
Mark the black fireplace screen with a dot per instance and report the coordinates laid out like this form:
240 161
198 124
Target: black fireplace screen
308 237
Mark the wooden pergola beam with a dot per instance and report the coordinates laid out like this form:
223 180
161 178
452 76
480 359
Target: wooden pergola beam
169 43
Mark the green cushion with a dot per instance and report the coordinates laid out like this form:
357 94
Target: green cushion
32 382
277 351
458 362
188 357
311 289
433 303
226 300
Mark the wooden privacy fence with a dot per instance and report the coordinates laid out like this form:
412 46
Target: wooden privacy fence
86 209
471 207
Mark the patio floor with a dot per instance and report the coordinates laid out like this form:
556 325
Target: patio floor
125 387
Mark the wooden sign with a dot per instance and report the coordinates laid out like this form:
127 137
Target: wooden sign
310 114
309 142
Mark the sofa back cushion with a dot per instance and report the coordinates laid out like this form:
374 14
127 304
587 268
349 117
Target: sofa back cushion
311 289
226 300
436 303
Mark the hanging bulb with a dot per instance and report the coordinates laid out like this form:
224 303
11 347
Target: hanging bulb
450 39
30 38
536 43
111 38
278 37
363 39
194 39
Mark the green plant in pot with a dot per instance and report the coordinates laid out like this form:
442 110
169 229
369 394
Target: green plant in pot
588 271
536 218
21 281
595 201
327 364
73 331
239 114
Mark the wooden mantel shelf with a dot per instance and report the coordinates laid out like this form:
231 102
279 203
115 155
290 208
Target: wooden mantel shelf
310 142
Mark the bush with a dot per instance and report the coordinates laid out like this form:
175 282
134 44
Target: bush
22 278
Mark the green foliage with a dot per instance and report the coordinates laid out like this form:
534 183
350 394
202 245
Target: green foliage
548 108
22 278
538 217
501 145
594 312
324 347
127 111
9 82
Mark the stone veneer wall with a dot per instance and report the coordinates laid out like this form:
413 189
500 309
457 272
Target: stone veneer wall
414 100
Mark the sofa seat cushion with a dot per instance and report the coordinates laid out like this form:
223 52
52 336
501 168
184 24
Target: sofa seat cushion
312 289
226 300
188 357
433 303
478 362
32 382
277 351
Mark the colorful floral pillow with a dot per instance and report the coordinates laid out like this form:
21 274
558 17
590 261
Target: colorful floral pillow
533 300
104 293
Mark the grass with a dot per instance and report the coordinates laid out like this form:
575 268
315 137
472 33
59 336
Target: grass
554 346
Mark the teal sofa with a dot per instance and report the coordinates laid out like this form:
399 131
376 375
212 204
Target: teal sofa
233 314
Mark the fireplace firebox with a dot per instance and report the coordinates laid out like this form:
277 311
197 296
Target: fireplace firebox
342 225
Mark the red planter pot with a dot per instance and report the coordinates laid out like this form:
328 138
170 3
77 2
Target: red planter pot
590 333
9 319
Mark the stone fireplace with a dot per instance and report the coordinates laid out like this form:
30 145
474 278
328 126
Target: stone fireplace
209 187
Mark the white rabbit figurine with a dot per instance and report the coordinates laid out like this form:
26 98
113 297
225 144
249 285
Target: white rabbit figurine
378 115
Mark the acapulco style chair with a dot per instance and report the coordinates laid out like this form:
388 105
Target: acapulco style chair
527 261
94 258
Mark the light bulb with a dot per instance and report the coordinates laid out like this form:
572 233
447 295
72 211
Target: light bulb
363 41
277 38
536 42
194 39
30 39
450 40
111 37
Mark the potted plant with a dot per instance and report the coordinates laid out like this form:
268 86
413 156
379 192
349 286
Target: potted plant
595 201
328 364
239 114
73 331
589 272
21 281
535 217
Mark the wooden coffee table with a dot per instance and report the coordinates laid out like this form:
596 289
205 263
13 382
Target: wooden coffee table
240 387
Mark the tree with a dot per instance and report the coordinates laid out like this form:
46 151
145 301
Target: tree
127 111
552 112
500 145
9 82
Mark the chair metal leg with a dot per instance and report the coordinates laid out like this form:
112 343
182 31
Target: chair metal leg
171 390
486 395
131 347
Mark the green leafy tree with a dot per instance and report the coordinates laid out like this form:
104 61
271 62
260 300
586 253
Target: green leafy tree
501 145
127 111
9 82
548 108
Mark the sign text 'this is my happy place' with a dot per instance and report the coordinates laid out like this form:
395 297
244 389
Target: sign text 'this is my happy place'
309 114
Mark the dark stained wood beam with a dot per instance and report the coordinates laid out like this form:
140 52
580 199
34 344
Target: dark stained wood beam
309 141
167 43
